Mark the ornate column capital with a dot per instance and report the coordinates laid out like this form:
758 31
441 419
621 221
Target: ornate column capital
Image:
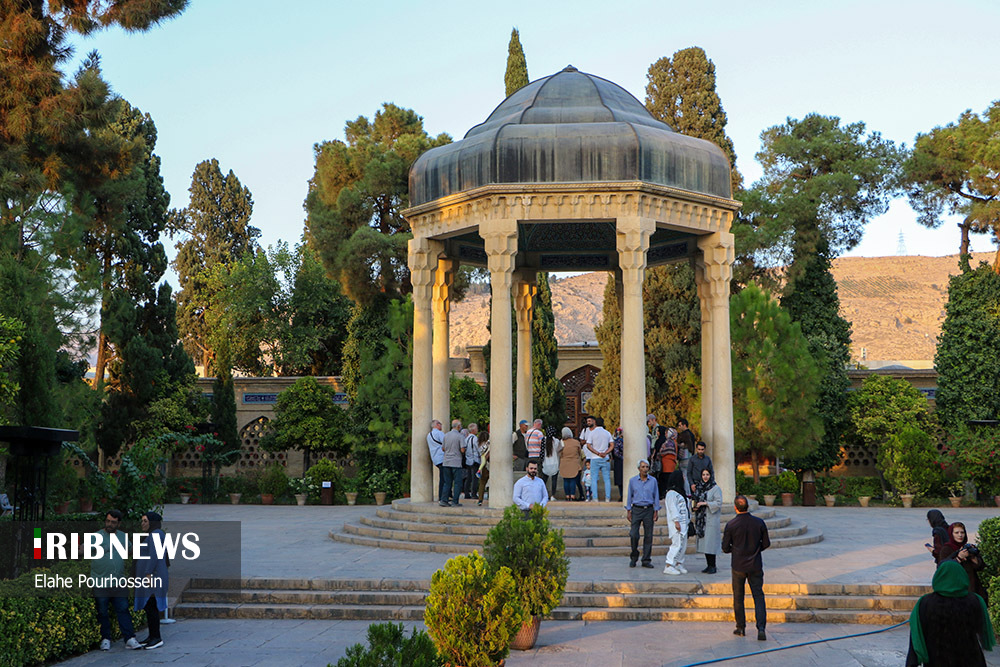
632 240
422 260
715 266
500 243
525 290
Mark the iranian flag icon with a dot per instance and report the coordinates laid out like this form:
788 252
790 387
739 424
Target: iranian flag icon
38 543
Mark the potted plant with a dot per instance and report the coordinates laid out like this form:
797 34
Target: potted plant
302 488
769 489
185 491
788 484
63 485
536 556
351 486
325 476
955 490
273 483
909 462
866 488
473 611
381 483
86 495
829 487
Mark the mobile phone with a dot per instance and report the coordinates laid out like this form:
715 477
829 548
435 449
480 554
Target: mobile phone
928 544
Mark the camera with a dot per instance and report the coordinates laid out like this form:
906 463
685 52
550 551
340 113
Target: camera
971 549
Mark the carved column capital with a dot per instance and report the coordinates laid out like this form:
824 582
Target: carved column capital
422 260
715 267
525 290
632 240
500 243
444 280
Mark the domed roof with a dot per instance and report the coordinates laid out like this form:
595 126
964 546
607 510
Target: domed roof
570 127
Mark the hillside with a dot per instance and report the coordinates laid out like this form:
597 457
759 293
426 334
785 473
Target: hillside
895 306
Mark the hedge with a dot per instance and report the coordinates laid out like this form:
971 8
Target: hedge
43 629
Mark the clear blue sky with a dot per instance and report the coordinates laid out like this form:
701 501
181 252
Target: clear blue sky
257 84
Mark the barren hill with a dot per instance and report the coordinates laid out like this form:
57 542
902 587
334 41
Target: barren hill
895 306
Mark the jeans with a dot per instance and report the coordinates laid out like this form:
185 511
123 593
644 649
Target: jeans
756 580
452 487
569 486
440 481
469 482
642 516
600 467
118 600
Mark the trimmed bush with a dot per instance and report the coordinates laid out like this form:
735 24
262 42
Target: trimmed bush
43 629
535 554
473 612
325 470
989 546
388 646
993 592
273 481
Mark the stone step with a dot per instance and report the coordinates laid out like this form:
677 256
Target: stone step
601 528
560 513
608 537
352 534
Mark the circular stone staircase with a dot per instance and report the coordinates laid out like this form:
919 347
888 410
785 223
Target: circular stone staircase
589 529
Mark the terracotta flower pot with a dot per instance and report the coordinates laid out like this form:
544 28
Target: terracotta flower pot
234 498
267 499
996 499
352 497
527 636
956 501
86 505
379 497
830 500
907 499
864 500
786 499
769 499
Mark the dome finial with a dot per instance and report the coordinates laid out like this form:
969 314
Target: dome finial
570 68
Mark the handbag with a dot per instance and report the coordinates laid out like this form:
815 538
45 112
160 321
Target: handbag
656 465
692 531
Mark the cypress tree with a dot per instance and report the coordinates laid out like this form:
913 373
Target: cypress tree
548 394
516 76
680 91
606 400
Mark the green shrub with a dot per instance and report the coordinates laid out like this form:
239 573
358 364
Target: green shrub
993 593
768 486
325 470
909 461
745 485
388 646
44 629
535 554
473 611
862 486
975 448
386 481
787 482
988 541
274 480
829 486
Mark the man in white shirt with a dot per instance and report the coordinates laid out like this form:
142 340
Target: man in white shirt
598 447
530 490
435 441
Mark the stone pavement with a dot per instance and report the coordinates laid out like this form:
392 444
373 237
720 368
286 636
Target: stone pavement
861 545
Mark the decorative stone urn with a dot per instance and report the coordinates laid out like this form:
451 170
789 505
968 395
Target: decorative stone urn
234 498
300 498
769 499
864 500
379 497
907 499
352 497
831 500
185 498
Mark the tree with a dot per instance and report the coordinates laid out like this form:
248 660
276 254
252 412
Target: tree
605 401
307 419
953 169
681 92
516 76
822 183
815 306
469 402
216 225
356 195
880 410
548 394
966 360
50 154
775 381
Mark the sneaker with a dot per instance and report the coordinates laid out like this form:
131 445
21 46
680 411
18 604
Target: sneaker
480 503
133 643
105 644
144 641
761 636
153 643
740 632
710 570
670 569
649 565
444 504
681 568
631 563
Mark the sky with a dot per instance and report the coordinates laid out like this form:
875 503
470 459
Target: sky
257 84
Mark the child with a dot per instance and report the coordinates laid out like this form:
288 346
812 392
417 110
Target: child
677 523
586 480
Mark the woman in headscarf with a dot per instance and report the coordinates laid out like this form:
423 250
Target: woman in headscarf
569 463
550 459
708 519
957 549
939 533
618 460
151 572
665 450
676 506
951 625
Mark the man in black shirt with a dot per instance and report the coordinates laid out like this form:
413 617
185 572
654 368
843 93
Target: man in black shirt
745 537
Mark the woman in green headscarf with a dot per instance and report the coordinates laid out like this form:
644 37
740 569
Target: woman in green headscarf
951 625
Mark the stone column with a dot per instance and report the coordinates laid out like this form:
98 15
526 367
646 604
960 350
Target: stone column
422 261
500 238
717 258
705 432
525 290
633 242
444 278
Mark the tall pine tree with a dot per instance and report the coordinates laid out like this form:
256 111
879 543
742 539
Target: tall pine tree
516 76
217 229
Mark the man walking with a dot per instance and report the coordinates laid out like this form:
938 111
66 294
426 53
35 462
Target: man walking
454 459
435 440
685 450
642 507
472 460
599 452
745 537
520 446
534 439
530 490
107 571
700 461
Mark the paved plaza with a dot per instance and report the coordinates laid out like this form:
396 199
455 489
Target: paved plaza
861 545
